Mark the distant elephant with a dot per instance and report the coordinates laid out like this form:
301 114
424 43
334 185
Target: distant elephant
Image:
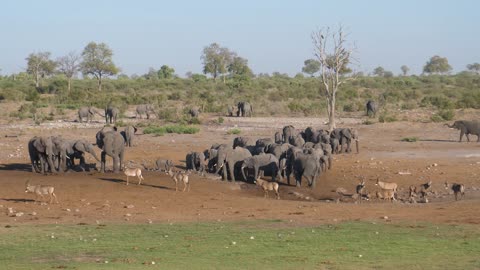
278 137
345 137
335 145
112 144
245 109
80 147
371 108
146 109
111 114
263 142
288 132
87 112
231 158
267 163
194 112
129 135
163 164
41 150
240 141
467 128
297 141
306 165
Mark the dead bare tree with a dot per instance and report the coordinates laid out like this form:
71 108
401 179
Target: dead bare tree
70 66
330 50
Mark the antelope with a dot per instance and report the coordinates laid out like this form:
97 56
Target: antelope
266 185
133 172
457 188
424 188
41 190
386 186
180 176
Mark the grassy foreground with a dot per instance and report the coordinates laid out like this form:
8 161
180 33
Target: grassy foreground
245 245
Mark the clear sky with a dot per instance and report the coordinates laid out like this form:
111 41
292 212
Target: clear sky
272 35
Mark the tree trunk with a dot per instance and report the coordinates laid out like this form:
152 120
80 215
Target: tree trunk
331 113
37 80
69 84
100 83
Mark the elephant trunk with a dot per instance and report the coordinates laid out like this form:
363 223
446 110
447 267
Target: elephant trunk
452 126
357 146
94 155
243 172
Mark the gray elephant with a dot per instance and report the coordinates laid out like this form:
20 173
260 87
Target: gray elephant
371 108
345 137
467 128
335 145
129 135
244 109
240 141
230 109
267 163
41 150
297 141
111 114
306 166
163 164
146 109
195 161
231 158
290 156
278 150
263 142
62 150
87 112
278 137
311 135
80 147
194 112
112 144
288 132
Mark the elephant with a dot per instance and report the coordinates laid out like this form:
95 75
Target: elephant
87 112
129 134
288 132
263 142
290 156
278 150
371 108
266 162
62 150
297 141
244 109
194 112
195 161
112 144
211 155
334 145
111 114
467 128
278 137
240 141
41 150
324 160
80 147
311 135
146 109
232 158
307 166
345 136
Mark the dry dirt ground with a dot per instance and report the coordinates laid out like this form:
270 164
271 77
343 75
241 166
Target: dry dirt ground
104 198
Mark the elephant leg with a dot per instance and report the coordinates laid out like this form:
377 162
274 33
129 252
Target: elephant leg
461 135
255 174
231 168
116 161
103 160
82 163
468 137
224 170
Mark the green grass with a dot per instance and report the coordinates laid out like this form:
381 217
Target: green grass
410 139
235 131
179 129
211 246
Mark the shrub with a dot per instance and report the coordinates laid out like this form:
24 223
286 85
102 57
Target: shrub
220 120
447 114
387 118
179 129
368 122
235 131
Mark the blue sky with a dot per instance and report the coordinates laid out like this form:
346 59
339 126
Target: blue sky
272 35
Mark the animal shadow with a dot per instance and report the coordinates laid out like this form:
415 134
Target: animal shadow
16 167
18 200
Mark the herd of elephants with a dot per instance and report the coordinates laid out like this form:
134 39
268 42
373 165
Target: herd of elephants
304 153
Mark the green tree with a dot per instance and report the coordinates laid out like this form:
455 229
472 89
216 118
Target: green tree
166 72
311 66
239 66
331 51
152 74
475 67
69 65
405 70
39 65
379 71
216 60
388 74
437 65
97 61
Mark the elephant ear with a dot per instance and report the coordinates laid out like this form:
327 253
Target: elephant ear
39 145
135 129
80 146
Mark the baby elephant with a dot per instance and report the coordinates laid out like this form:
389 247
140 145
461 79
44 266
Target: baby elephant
40 191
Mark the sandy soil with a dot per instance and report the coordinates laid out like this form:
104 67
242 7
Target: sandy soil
104 198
